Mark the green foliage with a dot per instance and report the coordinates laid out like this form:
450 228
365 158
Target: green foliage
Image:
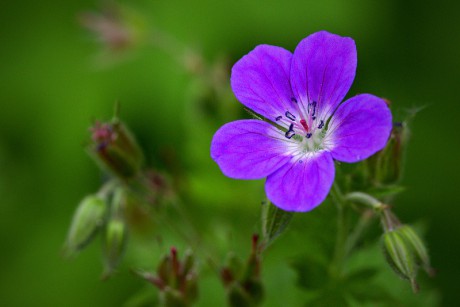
55 81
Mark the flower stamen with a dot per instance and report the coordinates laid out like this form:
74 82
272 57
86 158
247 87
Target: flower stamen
290 115
290 133
321 124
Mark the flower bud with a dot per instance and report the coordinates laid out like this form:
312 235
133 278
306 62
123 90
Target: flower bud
87 220
115 149
113 244
400 256
385 166
418 248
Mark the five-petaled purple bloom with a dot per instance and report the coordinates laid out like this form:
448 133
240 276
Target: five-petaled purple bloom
301 95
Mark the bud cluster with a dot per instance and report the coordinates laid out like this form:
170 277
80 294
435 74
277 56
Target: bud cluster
100 213
404 251
242 281
176 280
123 201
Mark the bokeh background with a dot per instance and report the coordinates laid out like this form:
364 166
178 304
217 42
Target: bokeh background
55 79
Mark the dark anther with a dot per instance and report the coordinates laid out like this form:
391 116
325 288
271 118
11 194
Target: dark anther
321 124
278 118
289 115
308 135
398 124
294 100
314 108
290 133
313 117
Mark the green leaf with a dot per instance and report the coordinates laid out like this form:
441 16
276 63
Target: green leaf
274 222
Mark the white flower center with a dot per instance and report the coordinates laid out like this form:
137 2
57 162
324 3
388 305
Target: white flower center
308 130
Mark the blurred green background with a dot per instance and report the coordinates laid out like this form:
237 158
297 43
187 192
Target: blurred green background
53 85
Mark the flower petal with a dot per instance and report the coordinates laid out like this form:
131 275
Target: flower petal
360 127
260 81
301 185
249 149
322 70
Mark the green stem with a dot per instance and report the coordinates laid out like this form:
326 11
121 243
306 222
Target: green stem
364 199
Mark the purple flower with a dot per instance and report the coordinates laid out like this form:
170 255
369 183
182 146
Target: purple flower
300 94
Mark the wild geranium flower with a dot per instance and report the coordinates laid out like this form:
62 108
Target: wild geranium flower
306 126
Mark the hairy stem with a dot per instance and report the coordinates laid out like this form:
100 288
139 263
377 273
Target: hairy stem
364 199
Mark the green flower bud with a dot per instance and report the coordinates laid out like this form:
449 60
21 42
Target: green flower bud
115 149
87 220
118 203
114 244
400 257
385 167
418 248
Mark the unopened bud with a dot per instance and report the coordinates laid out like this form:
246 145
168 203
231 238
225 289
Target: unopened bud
118 203
400 257
114 244
115 148
87 220
385 166
418 248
